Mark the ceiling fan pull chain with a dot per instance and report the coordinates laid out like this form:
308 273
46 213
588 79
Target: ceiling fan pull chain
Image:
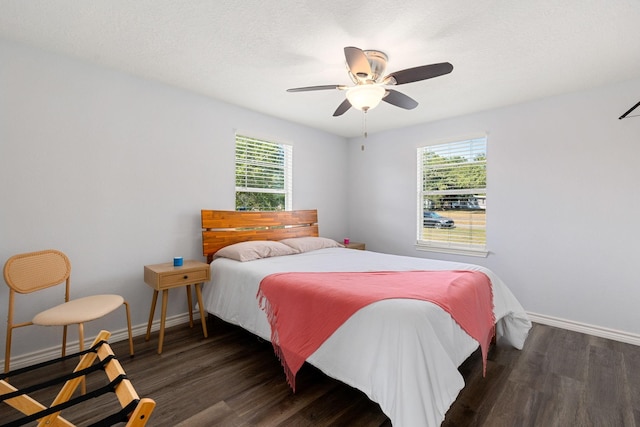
364 124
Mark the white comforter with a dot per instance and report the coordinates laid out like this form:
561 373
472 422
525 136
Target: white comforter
401 353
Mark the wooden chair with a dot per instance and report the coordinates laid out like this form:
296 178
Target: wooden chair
35 271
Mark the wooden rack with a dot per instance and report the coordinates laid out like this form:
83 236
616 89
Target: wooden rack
135 411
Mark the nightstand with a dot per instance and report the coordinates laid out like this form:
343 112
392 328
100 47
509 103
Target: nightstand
355 245
162 277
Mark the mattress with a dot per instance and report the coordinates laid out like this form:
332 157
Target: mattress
402 353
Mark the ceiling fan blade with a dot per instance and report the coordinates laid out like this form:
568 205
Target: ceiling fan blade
310 88
416 74
342 108
401 100
357 61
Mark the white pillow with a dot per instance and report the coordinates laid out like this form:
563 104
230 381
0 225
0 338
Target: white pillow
248 251
306 244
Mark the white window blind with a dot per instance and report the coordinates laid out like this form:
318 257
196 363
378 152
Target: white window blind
263 175
452 197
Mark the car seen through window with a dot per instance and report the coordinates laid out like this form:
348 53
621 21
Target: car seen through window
435 220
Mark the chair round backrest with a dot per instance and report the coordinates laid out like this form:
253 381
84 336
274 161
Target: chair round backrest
33 271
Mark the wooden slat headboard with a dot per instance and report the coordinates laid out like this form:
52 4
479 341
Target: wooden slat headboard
224 228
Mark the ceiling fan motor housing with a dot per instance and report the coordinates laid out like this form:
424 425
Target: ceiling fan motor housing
378 63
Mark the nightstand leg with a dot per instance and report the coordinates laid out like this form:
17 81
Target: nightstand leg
153 310
203 319
190 303
165 297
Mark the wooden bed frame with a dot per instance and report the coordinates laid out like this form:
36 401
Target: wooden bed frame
136 411
224 228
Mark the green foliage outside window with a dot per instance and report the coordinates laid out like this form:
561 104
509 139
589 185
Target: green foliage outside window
246 201
450 181
263 175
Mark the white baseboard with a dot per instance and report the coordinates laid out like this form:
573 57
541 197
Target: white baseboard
39 356
585 328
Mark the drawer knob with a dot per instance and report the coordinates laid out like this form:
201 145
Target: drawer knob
185 277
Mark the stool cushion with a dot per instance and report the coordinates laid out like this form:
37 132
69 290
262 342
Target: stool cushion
79 310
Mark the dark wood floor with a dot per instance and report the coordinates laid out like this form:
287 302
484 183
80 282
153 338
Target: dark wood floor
560 378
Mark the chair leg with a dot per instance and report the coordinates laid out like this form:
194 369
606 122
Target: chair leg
64 340
83 384
126 306
81 336
7 353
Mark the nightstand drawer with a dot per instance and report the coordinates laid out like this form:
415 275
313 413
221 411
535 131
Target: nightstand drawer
165 276
179 279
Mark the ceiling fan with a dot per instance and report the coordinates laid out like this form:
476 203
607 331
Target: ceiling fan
366 69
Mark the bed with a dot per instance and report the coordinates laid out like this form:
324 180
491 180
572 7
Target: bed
402 353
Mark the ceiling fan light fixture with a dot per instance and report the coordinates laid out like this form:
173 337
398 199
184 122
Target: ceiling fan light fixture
365 97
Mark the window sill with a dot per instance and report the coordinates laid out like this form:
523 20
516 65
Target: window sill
481 253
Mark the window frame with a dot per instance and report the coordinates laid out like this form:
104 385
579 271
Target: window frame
448 245
286 166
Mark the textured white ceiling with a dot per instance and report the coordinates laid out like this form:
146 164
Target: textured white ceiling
248 52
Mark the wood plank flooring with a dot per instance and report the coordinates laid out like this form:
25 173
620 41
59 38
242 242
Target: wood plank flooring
232 378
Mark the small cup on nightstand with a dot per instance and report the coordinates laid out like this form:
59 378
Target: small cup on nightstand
177 261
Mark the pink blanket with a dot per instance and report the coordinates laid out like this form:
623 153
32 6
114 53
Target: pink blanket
304 309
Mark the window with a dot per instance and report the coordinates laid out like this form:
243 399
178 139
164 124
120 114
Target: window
263 175
452 197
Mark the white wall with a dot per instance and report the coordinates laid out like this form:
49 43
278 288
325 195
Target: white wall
113 170
563 201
